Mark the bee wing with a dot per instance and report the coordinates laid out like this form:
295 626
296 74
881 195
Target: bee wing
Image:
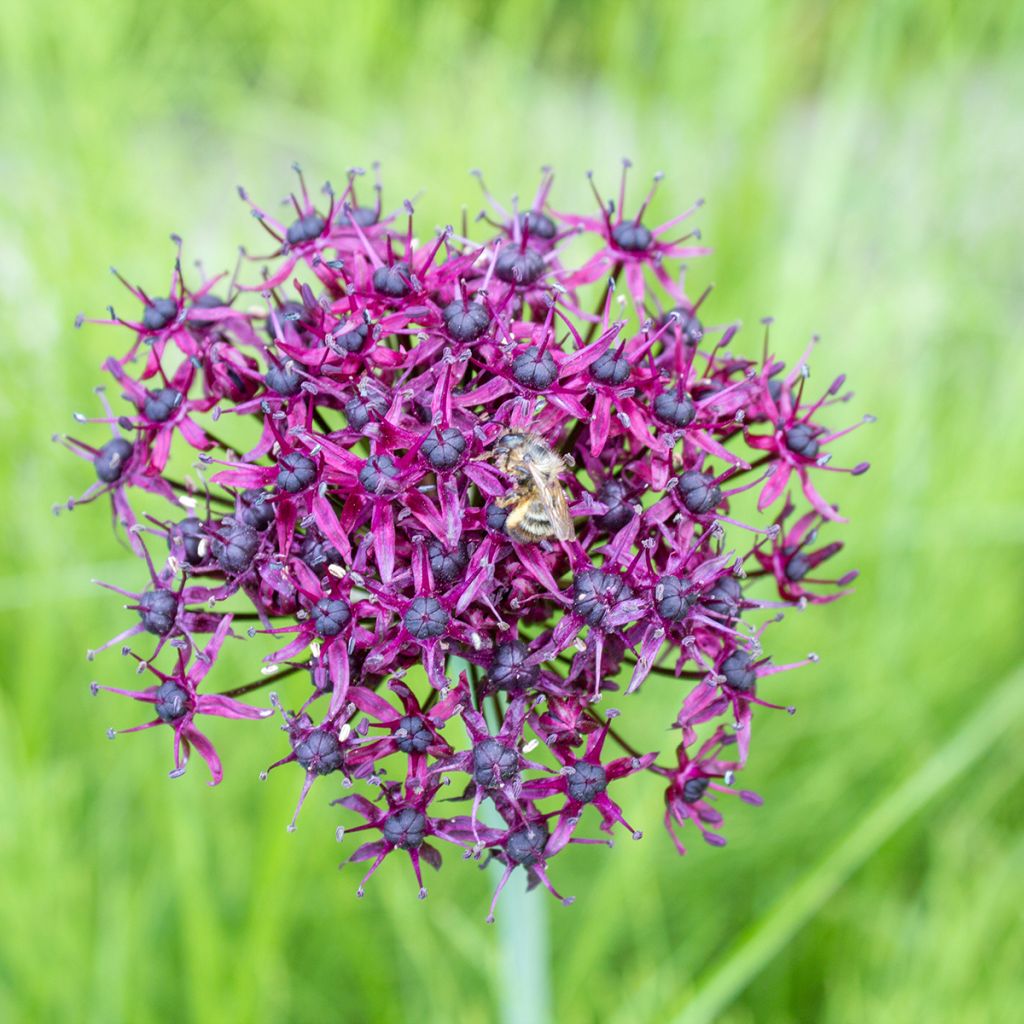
553 497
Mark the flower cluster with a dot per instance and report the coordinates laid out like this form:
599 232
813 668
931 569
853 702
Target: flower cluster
466 490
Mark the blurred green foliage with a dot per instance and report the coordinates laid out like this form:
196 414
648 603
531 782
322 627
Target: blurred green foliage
862 168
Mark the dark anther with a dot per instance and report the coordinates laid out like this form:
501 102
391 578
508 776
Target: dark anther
393 281
526 845
539 224
235 552
171 702
376 471
797 568
189 533
801 440
320 752
257 512
724 598
330 616
674 409
157 610
447 565
111 459
690 329
158 314
738 673
586 782
496 516
305 229
494 763
317 553
610 369
535 369
349 336
699 492
358 410
595 593
161 404
294 472
677 598
632 237
289 313
415 738
465 321
284 380
445 451
405 829
518 265
425 618
694 789
509 670
614 494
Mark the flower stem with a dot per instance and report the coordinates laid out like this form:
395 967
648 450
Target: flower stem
522 922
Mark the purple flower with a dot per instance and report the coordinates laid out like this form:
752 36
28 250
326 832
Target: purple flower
324 445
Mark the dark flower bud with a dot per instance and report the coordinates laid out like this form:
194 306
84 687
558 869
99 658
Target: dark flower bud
699 492
415 737
393 281
724 598
257 512
295 471
586 782
683 320
694 789
159 313
405 829
358 410
535 369
526 845
318 553
425 618
595 593
377 470
540 225
632 237
284 380
496 516
305 229
235 552
157 610
447 565
189 532
207 301
465 321
111 459
518 265
797 568
675 409
350 337
801 440
444 451
171 702
738 673
320 752
610 369
161 404
509 670
615 495
494 763
677 598
364 216
330 616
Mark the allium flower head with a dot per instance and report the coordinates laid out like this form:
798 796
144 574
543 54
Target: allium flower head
483 479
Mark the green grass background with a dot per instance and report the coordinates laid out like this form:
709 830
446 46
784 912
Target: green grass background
861 164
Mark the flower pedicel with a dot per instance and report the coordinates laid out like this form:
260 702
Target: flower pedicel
482 487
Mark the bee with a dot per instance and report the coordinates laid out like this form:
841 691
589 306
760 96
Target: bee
537 506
